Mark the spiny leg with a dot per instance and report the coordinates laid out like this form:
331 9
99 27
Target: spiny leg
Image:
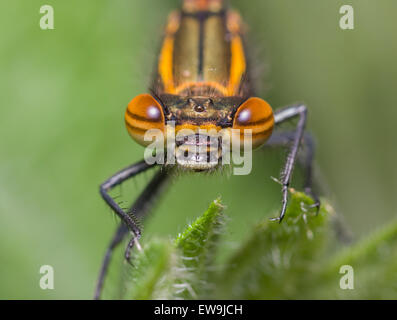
281 116
140 208
144 202
284 139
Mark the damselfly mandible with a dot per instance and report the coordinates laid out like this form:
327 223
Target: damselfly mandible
202 82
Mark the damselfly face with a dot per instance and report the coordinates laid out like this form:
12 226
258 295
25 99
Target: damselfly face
203 128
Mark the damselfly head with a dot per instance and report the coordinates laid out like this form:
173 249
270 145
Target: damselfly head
202 129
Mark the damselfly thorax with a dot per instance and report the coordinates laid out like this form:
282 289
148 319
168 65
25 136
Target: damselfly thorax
201 85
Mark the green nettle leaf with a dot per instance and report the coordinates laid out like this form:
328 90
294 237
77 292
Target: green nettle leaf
152 273
299 258
197 246
277 259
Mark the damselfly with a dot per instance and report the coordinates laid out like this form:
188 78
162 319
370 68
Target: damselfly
202 82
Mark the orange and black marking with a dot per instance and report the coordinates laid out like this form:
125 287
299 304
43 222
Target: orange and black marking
203 52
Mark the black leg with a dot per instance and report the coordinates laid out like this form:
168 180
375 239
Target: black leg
281 116
284 139
116 180
129 220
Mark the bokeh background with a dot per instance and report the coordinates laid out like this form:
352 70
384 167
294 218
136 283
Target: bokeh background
63 93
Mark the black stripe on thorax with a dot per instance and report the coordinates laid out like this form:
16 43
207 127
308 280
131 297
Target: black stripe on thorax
202 16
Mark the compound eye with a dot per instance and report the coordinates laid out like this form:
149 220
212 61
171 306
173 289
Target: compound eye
144 113
257 115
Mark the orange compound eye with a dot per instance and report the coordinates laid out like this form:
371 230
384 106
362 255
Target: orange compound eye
143 113
257 115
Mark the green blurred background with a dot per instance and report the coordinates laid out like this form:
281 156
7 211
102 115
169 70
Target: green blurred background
63 95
